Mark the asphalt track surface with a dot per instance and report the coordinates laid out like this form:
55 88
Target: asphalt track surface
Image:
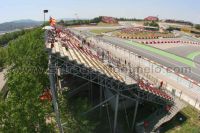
194 56
186 51
159 58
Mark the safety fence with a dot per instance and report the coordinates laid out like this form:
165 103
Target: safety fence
169 42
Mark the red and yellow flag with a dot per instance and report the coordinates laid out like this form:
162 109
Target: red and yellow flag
52 21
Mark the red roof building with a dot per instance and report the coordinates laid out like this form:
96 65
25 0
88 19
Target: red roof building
109 20
151 18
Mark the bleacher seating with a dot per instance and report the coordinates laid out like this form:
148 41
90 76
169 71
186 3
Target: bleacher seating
68 46
150 88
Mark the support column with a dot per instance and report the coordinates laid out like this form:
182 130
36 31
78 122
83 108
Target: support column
91 92
134 116
100 99
116 112
53 88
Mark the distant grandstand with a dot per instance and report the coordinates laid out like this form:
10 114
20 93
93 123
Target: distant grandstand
179 22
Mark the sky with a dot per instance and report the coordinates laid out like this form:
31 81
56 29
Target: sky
188 10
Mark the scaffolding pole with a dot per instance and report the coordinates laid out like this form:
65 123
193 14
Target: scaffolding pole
53 88
100 100
134 116
116 112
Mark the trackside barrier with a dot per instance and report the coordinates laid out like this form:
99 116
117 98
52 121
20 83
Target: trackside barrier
169 42
128 57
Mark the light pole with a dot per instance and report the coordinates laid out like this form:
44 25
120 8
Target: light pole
45 11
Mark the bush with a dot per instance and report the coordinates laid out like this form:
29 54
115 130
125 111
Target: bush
4 39
152 23
3 55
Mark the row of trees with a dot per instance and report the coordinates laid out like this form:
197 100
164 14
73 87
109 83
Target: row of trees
22 111
79 22
95 20
4 39
129 19
197 26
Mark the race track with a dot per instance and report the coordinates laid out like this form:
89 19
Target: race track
164 58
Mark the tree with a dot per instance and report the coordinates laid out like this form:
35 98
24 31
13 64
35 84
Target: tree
62 22
197 26
22 111
152 23
3 55
4 39
75 121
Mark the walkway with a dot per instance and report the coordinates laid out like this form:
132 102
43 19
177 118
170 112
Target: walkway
2 79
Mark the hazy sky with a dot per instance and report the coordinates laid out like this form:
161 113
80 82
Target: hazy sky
32 9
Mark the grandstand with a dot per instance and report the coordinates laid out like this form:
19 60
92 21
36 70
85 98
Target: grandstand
70 54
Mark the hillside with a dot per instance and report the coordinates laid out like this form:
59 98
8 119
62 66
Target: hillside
19 24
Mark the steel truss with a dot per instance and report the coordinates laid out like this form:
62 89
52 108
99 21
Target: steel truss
71 67
119 89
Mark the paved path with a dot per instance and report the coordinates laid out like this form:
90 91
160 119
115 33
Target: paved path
2 79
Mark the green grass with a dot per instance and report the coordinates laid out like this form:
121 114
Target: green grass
191 125
106 24
100 31
193 55
163 53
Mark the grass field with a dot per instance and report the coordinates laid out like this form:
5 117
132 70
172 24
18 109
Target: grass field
100 31
190 125
105 24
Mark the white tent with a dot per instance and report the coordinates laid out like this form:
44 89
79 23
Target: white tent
48 28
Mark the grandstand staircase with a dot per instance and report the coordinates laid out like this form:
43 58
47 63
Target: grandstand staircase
160 117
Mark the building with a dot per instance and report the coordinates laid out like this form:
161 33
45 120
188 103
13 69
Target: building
151 18
109 20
